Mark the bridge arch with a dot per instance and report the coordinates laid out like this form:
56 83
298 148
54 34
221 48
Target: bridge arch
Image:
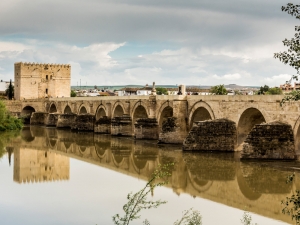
200 111
53 108
26 113
139 109
82 110
198 184
248 119
67 110
118 110
100 112
165 111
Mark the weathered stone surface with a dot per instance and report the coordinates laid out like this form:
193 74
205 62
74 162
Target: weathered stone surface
38 118
270 141
211 135
103 125
171 132
146 128
84 122
65 120
121 126
51 119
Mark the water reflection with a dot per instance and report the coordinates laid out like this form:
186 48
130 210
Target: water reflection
42 154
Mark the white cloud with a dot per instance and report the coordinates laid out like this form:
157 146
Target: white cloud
276 80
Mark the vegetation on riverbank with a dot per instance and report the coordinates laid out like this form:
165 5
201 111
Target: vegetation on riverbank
8 122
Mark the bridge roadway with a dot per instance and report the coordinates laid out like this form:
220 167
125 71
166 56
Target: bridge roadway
246 186
244 110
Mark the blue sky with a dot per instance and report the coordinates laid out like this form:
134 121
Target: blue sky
114 42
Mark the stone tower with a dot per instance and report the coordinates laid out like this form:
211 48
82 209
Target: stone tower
35 80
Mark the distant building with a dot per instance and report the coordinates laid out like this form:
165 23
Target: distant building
34 80
289 87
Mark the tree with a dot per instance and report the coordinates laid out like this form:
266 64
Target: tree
161 91
263 90
8 122
73 93
292 55
218 90
274 91
9 92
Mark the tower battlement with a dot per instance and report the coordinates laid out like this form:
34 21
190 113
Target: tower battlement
42 64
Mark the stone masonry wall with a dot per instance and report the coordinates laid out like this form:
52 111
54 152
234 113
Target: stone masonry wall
146 128
273 140
211 135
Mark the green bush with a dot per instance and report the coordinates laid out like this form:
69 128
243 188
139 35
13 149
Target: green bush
8 122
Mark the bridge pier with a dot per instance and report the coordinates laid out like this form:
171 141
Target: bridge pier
146 128
83 122
121 126
38 118
65 120
103 125
211 135
51 119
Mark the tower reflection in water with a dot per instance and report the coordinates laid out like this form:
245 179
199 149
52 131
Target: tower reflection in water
42 154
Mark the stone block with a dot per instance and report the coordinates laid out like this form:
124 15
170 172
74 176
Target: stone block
84 122
273 140
103 125
65 120
146 128
171 132
121 126
51 119
211 135
38 118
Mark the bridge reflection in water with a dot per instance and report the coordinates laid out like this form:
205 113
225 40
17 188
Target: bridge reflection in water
42 154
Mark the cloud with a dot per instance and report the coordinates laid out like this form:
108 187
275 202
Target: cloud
276 80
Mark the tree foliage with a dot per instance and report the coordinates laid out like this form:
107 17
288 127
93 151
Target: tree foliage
9 92
73 93
138 201
292 204
292 55
8 122
218 90
161 91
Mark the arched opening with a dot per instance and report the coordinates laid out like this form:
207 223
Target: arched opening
140 112
167 112
26 114
53 109
248 120
200 114
82 110
67 110
100 113
118 111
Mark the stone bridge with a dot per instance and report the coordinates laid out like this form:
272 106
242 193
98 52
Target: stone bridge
146 116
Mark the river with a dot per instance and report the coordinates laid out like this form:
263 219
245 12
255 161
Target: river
51 176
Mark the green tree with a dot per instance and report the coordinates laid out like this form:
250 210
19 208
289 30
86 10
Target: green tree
9 92
292 55
263 90
8 122
73 93
161 91
274 91
218 90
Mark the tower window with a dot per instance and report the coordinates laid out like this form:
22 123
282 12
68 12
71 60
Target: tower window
46 90
46 77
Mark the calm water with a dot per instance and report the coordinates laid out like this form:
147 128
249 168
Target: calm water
52 176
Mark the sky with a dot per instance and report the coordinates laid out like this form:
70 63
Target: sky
121 42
